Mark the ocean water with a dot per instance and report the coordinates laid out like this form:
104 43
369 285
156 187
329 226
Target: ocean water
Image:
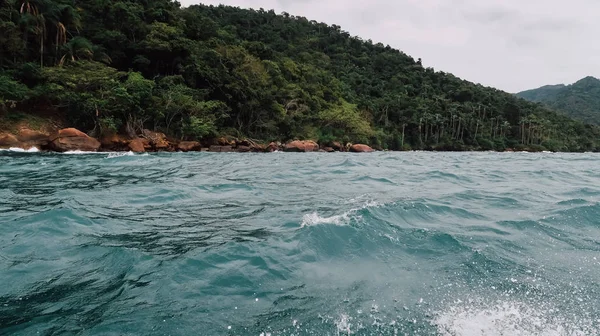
300 244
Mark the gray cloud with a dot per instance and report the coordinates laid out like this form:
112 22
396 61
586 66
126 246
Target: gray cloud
509 44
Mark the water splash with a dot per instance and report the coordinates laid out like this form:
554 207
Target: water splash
510 318
343 219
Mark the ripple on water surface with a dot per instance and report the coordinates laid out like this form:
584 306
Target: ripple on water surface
299 244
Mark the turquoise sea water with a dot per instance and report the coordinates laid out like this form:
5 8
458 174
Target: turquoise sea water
300 244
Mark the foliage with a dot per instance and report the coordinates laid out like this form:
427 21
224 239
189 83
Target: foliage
580 100
204 71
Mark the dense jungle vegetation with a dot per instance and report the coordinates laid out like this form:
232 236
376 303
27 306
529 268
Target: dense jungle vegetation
580 100
203 71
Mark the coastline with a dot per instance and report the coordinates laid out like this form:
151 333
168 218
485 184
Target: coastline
74 141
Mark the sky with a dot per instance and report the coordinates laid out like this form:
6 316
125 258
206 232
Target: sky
513 45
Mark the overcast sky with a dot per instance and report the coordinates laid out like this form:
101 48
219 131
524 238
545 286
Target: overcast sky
513 45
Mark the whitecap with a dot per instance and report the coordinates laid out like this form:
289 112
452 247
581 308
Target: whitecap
314 218
113 155
507 318
21 150
79 152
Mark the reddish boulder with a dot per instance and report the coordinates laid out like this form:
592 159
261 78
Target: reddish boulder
328 149
244 142
258 148
8 140
337 146
221 149
272 147
33 138
223 141
157 140
70 139
114 142
243 149
302 146
358 148
137 145
189 146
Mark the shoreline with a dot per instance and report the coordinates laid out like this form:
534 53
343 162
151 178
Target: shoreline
35 150
74 141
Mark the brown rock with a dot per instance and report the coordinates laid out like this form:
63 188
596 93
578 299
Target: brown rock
337 146
329 149
244 142
115 142
157 140
243 149
189 146
70 139
8 140
33 138
272 147
221 149
358 148
137 145
258 148
226 142
302 146
68 133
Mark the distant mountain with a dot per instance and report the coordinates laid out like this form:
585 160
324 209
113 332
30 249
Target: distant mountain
580 100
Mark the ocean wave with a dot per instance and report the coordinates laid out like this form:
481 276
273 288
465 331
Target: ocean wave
120 154
80 152
21 150
343 219
509 318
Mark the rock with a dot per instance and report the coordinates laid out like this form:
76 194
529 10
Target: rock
70 139
8 140
244 142
258 148
137 145
328 149
272 147
302 146
243 149
358 148
33 138
157 140
221 149
189 146
115 142
223 141
337 146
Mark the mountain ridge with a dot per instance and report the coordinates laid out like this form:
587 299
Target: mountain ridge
579 100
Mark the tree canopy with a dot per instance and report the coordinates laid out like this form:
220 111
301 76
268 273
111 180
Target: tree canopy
580 100
203 71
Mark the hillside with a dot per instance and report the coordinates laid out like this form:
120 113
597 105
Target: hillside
580 100
204 71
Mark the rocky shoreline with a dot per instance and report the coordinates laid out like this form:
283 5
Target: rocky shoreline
71 139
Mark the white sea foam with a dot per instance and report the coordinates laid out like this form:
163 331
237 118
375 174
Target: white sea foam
343 325
314 218
79 152
508 318
21 150
113 155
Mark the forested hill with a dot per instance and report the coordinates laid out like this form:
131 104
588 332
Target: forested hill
203 71
580 100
